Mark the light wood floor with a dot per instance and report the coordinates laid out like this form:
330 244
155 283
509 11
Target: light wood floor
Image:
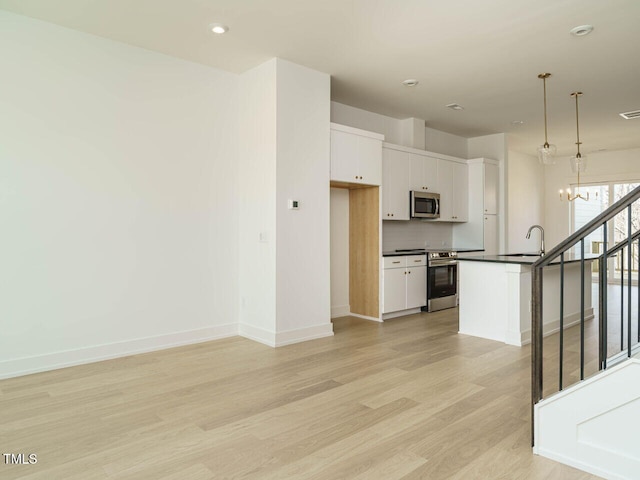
407 399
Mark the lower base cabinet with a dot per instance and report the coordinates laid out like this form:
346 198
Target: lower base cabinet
404 280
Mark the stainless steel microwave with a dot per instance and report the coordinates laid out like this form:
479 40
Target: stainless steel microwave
425 205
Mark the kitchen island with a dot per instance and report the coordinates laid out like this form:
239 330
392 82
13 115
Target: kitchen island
495 296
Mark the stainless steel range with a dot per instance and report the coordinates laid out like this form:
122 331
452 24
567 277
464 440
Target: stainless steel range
442 280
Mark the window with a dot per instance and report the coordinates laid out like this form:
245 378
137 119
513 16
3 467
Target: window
601 197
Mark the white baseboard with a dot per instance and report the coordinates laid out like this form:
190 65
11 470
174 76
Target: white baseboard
68 358
553 327
304 334
365 317
401 313
340 311
279 339
257 334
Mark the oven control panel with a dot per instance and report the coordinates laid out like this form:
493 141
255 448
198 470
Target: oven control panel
437 255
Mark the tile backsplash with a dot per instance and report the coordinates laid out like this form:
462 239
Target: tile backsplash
415 234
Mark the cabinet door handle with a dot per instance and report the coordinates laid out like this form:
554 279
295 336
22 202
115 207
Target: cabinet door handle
418 261
395 262
409 271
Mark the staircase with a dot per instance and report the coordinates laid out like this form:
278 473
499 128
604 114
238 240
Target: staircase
585 379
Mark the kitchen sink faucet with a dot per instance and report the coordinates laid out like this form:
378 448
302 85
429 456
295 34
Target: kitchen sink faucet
541 237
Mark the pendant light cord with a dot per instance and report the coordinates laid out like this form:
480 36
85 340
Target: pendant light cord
544 89
577 94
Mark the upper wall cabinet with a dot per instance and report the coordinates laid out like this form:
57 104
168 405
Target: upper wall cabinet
453 187
423 173
356 155
490 189
395 184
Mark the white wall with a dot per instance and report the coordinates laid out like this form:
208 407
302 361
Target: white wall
285 264
339 226
446 143
302 239
525 202
257 215
391 128
117 198
400 131
607 166
415 234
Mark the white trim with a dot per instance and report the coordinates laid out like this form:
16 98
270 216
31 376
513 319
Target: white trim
483 160
424 153
256 334
587 411
356 131
583 384
279 339
585 467
97 353
400 313
365 317
304 334
340 311
552 327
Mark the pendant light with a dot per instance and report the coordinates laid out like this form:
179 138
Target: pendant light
546 152
578 162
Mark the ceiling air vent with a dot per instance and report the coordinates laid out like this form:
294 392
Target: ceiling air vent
630 115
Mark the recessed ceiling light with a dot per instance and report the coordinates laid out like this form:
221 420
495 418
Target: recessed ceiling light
517 122
581 30
218 28
411 82
455 106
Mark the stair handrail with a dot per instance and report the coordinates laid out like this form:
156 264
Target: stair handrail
536 288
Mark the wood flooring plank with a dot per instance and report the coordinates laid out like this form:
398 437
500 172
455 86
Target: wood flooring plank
408 398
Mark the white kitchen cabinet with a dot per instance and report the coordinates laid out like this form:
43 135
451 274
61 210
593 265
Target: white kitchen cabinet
395 289
356 156
481 228
395 184
453 184
416 286
404 283
460 192
424 173
490 243
490 189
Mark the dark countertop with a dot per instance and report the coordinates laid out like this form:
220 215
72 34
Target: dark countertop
524 258
423 251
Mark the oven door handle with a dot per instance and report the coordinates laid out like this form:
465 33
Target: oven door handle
442 263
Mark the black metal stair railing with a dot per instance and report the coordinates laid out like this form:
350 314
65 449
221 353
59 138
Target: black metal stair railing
558 256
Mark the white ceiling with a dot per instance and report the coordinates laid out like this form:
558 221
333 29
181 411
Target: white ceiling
484 55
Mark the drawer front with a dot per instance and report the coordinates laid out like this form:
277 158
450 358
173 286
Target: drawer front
395 262
416 260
